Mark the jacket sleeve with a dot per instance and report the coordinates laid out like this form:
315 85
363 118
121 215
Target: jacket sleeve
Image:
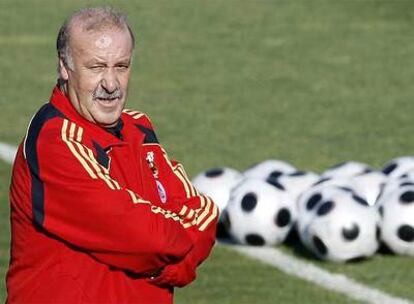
76 200
198 212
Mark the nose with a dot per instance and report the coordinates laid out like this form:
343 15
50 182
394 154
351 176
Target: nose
110 81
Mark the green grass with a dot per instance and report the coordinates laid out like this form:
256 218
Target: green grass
4 225
230 83
384 271
230 278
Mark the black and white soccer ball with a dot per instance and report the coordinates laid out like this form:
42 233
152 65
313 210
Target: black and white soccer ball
397 219
259 213
340 181
346 169
269 169
343 227
310 200
369 185
297 182
399 166
393 184
408 175
217 184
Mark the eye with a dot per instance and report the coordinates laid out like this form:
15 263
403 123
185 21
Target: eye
122 67
96 68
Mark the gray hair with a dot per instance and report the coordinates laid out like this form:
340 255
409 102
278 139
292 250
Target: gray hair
91 19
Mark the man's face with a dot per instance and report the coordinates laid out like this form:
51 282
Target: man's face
97 79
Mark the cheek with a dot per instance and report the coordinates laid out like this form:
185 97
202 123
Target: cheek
124 79
87 82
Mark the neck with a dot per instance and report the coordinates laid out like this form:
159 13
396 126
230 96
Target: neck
62 85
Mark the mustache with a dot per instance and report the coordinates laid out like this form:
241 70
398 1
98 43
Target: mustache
100 93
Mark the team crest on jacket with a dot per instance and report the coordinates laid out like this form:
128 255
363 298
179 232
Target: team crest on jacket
151 163
161 191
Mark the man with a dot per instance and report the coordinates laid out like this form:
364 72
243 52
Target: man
98 211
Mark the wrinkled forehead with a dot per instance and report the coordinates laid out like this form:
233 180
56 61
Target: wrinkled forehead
102 38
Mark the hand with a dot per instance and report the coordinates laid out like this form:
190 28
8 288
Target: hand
175 275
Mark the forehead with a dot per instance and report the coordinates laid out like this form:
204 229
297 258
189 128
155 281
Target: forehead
108 42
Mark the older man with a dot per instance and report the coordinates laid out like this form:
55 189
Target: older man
98 211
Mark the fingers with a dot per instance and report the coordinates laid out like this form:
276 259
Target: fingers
178 275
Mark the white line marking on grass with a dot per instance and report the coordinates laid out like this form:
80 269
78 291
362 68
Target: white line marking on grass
7 152
309 272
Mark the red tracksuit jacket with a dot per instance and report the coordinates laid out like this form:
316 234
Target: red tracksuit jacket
94 214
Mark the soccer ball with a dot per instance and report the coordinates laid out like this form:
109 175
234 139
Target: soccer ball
297 182
346 169
408 175
269 169
368 185
397 226
395 183
342 182
342 227
311 199
399 166
259 213
217 183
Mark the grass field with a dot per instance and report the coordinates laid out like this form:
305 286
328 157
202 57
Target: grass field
230 83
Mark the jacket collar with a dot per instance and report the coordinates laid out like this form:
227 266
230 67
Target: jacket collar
104 138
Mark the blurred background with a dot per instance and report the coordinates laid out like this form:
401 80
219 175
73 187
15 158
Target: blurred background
235 82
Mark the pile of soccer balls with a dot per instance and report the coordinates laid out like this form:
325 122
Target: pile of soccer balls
345 213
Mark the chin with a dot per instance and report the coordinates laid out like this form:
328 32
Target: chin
108 123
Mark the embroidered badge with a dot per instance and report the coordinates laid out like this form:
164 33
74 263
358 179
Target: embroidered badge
151 163
161 191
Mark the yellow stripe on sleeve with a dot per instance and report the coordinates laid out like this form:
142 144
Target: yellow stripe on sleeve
79 134
210 219
205 212
185 185
189 224
138 115
87 153
202 201
182 180
85 156
130 112
136 199
73 150
183 210
103 172
190 214
193 190
166 213
134 114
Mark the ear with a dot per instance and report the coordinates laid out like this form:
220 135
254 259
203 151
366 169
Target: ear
63 70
